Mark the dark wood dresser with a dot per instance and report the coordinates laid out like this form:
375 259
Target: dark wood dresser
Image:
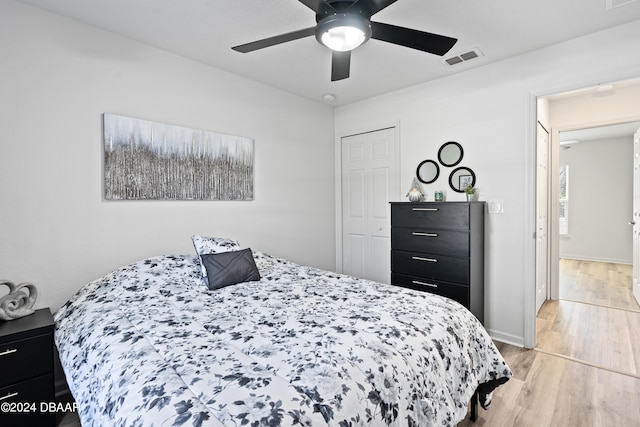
26 370
438 247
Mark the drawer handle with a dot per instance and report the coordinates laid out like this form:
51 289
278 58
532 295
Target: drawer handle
9 396
416 233
419 258
425 209
4 353
417 282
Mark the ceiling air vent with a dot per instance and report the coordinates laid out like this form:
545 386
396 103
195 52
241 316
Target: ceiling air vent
463 57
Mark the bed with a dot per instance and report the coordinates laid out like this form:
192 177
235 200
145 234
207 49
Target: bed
155 344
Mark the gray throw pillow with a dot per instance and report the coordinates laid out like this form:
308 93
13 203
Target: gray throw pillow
230 268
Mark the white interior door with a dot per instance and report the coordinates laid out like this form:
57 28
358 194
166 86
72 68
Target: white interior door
369 179
636 215
542 217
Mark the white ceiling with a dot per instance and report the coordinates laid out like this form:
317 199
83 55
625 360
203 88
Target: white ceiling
205 31
601 132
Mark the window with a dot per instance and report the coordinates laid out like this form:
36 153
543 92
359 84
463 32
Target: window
564 200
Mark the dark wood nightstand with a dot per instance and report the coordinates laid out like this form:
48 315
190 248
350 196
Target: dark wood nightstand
26 370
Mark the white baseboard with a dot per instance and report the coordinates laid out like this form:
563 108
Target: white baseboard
506 338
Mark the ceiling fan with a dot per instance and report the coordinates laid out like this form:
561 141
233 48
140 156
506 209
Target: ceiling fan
343 25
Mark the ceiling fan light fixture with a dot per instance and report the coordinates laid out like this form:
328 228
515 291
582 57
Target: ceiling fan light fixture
343 33
343 39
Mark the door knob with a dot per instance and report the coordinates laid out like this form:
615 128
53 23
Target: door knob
632 223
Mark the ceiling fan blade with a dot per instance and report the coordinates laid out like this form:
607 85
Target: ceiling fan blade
340 64
272 41
376 6
426 42
320 7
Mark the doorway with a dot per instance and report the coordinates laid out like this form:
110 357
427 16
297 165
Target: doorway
588 325
593 180
595 236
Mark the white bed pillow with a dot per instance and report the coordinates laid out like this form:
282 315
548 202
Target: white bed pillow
212 245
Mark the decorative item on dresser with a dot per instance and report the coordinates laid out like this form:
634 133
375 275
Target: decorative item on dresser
26 370
470 191
438 247
416 193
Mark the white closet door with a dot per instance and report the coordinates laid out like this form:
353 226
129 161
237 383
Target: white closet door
369 180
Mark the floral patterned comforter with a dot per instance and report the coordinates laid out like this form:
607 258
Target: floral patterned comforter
150 345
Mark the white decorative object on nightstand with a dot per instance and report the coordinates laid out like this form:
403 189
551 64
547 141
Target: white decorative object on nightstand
17 303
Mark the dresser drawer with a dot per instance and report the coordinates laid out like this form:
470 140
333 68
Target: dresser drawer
441 242
457 293
29 395
447 215
448 269
27 358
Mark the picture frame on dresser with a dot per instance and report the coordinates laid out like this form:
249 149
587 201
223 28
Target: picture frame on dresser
465 181
438 247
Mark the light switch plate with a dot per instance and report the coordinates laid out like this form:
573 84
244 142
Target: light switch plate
496 206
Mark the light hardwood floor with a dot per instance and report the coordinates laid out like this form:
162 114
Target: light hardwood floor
603 336
586 368
600 324
552 391
599 283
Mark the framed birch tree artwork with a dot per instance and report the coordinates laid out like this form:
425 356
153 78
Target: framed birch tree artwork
146 160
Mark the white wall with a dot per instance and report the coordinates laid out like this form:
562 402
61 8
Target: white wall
57 78
600 200
491 112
